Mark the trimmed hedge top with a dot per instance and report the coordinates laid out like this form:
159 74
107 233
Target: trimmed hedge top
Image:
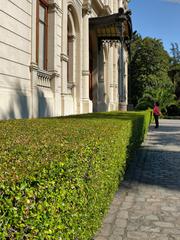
58 175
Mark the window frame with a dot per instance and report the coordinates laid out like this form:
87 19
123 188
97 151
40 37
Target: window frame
44 4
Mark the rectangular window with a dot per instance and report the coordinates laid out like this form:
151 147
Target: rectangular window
42 25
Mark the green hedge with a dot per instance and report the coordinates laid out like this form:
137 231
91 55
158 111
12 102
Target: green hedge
58 176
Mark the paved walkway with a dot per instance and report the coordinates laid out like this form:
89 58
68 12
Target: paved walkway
147 206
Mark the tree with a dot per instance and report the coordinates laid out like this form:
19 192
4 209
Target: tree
175 53
174 69
165 96
148 69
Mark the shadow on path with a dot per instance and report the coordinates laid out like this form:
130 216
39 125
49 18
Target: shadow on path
158 160
147 205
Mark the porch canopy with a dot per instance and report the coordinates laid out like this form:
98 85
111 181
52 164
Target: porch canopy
112 28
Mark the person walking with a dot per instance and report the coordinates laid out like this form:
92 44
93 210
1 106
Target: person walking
156 113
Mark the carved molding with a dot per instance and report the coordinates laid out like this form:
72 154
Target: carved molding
54 73
85 72
64 57
44 78
33 67
86 8
54 7
107 10
71 38
71 85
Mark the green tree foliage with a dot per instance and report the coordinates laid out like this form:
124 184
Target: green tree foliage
165 96
174 69
148 70
175 53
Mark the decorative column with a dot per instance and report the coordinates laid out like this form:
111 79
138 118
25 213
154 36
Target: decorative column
116 77
64 60
123 101
86 103
33 65
100 85
111 78
54 13
126 77
34 93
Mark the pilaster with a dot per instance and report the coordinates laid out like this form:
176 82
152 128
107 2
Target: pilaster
123 101
110 78
86 103
101 96
33 66
55 14
55 80
64 62
34 93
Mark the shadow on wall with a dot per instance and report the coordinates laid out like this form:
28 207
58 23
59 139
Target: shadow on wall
104 103
43 107
100 98
19 105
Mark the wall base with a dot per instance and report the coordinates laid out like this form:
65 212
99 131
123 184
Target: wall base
123 106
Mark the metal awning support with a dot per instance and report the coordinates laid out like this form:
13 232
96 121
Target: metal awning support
113 28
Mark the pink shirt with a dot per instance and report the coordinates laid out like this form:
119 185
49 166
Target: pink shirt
156 110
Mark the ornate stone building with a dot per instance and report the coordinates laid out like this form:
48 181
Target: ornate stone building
61 57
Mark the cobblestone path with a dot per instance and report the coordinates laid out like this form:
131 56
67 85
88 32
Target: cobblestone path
147 205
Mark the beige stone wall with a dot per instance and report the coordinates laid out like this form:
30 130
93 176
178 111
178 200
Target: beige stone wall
15 57
27 91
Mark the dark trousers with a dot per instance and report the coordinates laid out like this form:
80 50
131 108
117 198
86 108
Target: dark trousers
156 118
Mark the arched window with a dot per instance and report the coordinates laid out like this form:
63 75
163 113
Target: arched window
71 41
90 70
41 33
70 48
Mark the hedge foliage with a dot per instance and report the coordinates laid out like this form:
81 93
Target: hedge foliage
58 176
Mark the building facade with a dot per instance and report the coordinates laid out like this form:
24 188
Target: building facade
57 58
